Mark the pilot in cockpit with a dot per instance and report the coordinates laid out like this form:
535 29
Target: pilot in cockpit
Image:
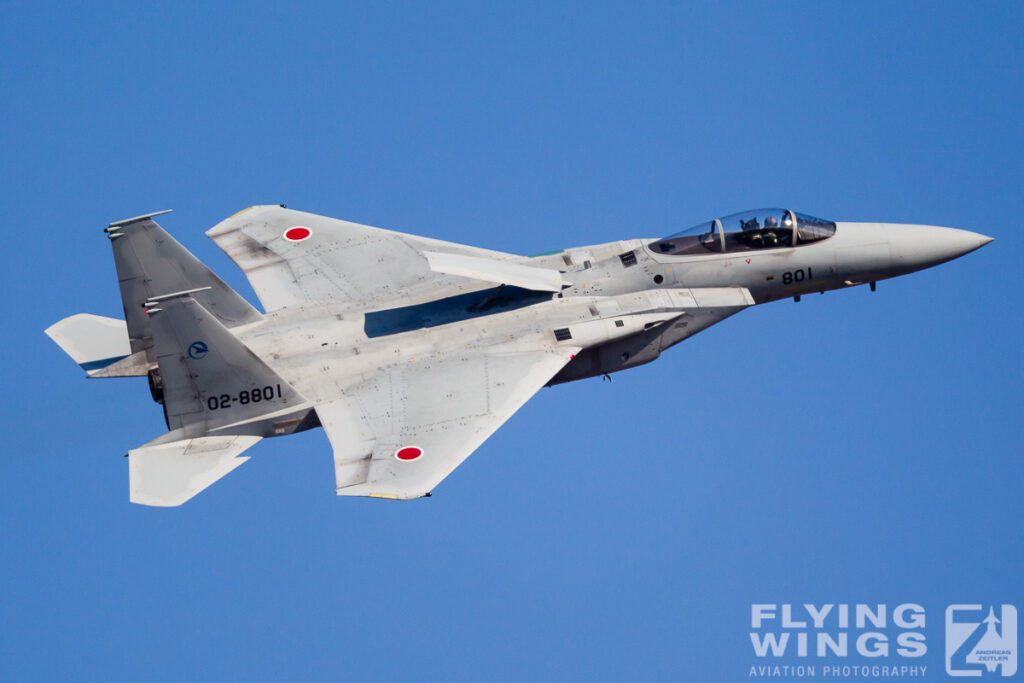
751 233
769 236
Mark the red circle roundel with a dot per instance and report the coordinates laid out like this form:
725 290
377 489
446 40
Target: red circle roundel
297 234
408 453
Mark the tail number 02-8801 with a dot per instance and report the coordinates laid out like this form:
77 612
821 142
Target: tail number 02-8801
244 397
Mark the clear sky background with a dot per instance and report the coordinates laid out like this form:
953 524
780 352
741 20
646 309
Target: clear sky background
854 447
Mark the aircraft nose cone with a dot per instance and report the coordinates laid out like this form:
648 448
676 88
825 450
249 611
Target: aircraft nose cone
915 247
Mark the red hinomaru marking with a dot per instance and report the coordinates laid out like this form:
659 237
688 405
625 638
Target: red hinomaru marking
297 234
408 453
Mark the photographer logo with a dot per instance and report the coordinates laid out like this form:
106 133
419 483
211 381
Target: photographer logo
981 640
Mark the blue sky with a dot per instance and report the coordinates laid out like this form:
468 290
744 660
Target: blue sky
855 447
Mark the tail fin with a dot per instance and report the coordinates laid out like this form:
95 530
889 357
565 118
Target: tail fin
211 380
151 263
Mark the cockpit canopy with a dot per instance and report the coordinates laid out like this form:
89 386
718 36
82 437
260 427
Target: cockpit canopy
747 231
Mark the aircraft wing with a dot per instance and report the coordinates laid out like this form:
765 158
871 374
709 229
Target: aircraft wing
292 258
398 434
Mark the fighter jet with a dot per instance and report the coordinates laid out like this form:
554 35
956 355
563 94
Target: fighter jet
409 351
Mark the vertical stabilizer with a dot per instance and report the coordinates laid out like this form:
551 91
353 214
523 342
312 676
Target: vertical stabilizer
151 263
210 378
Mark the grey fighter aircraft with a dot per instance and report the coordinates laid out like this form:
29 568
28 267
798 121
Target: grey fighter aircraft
411 351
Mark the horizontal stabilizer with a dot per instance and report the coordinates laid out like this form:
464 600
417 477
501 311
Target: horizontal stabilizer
168 474
500 272
95 343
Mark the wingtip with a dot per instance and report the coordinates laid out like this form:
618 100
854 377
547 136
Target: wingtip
232 222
